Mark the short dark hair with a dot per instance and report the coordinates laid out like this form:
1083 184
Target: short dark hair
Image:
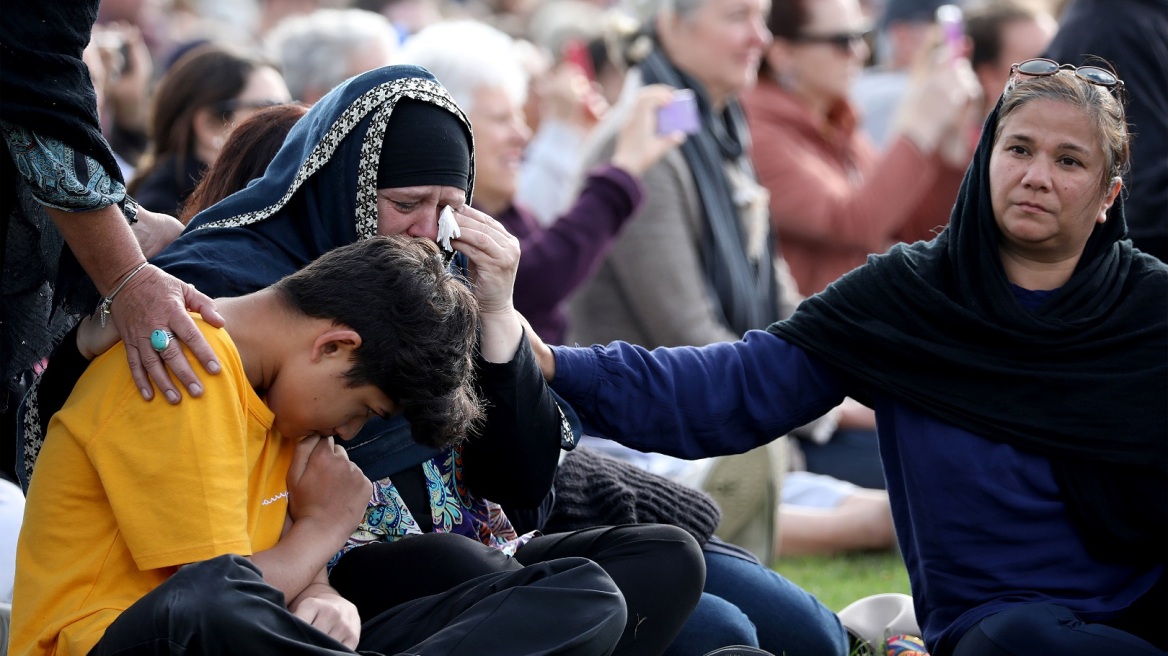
786 20
417 322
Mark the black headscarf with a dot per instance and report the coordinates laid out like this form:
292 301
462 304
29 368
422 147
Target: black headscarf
319 192
1083 381
744 289
425 145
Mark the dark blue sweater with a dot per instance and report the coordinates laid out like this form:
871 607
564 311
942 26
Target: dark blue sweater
981 524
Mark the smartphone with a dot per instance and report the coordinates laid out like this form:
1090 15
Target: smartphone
680 115
952 23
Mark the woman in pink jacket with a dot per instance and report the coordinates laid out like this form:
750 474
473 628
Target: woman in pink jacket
833 197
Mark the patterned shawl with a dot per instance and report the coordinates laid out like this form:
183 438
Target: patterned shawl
320 191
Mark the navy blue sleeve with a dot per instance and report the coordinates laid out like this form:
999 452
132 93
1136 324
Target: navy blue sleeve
696 402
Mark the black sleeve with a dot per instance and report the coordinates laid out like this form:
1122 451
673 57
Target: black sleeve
43 398
513 461
525 520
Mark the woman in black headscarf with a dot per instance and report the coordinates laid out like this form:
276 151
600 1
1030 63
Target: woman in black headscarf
69 235
384 153
1018 367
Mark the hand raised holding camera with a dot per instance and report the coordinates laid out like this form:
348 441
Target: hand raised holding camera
640 144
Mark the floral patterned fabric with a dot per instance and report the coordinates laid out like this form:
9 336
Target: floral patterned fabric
453 509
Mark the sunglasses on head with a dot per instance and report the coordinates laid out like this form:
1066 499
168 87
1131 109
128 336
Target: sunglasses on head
1045 67
841 40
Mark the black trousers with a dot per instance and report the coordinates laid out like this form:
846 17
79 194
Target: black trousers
659 570
223 606
1051 629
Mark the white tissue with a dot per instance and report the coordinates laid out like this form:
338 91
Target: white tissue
447 228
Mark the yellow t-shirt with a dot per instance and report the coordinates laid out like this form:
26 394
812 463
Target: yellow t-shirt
125 491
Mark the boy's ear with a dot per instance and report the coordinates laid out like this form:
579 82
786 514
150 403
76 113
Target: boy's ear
338 340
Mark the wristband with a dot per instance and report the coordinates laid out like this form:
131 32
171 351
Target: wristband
130 210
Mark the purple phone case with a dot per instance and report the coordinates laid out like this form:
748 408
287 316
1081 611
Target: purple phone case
680 115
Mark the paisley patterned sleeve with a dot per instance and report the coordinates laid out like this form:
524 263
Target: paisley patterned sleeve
59 176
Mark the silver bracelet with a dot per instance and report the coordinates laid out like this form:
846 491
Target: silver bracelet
105 306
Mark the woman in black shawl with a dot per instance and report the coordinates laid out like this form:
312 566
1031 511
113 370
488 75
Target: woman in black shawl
67 227
1018 367
384 153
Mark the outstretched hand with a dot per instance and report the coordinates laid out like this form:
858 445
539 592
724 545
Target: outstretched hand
155 300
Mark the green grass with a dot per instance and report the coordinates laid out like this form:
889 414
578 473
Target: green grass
839 580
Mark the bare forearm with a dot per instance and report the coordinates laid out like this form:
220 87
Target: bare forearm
543 354
298 558
102 242
501 332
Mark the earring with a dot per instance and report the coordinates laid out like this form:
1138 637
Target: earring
217 142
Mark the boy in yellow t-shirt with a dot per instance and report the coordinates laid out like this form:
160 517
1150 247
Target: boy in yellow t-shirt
205 527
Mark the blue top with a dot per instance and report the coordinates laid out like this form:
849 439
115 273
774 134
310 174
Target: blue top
981 524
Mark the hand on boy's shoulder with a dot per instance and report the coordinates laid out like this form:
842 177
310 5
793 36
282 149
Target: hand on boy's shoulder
109 374
325 486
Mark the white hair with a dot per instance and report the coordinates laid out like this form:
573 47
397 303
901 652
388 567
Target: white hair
466 55
646 11
314 50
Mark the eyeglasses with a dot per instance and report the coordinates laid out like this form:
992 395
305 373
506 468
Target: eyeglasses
1046 67
843 40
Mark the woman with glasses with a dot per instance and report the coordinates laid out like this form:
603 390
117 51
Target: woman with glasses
198 101
834 198
1017 366
695 266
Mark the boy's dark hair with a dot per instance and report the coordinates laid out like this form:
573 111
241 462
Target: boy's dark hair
417 323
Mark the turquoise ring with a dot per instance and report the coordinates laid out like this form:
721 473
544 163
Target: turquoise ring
160 339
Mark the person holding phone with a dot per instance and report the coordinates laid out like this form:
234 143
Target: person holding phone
833 197
697 264
557 258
